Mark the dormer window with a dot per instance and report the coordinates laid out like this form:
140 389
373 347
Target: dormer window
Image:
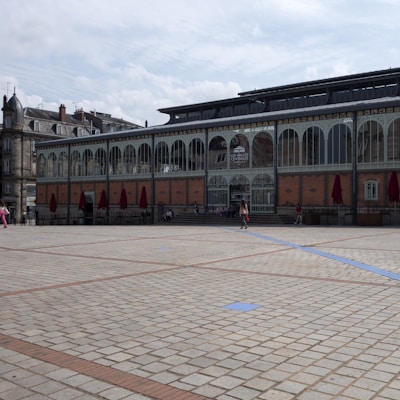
36 126
58 129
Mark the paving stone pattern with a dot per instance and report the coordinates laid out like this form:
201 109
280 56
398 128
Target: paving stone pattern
194 313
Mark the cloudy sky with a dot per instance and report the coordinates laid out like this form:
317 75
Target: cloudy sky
129 58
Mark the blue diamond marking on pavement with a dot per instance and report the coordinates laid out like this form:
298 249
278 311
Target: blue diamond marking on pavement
163 248
242 306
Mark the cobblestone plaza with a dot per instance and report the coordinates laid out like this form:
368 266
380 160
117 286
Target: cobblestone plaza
189 313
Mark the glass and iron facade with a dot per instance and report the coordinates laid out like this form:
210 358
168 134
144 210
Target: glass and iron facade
272 147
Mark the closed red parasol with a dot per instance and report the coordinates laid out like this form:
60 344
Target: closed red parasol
103 201
337 194
53 203
337 191
123 200
82 202
393 190
143 198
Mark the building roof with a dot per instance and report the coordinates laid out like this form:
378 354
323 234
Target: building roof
351 93
38 113
363 86
17 110
106 123
359 81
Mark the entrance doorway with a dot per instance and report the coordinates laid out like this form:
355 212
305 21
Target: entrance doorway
89 196
239 189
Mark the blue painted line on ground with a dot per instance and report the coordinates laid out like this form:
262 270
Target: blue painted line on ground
366 267
239 306
164 248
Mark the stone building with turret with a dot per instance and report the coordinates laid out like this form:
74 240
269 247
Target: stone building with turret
22 129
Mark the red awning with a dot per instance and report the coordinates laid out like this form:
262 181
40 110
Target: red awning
123 200
53 203
337 191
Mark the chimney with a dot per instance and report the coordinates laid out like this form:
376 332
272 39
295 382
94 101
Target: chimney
80 114
62 113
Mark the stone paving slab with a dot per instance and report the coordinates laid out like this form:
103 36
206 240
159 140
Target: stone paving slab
140 312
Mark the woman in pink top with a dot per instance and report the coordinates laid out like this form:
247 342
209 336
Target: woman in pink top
3 213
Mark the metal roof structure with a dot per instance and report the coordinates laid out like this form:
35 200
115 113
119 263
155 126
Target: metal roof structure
349 93
349 88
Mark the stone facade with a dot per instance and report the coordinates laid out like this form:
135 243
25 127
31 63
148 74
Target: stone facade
22 130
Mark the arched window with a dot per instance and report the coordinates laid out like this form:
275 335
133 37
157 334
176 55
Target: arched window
263 150
115 161
178 156
217 154
76 163
52 165
41 166
144 158
239 152
288 148
196 155
87 163
370 143
393 141
129 160
100 162
339 145
63 164
161 158
313 146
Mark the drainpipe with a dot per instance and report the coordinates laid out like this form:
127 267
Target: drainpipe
206 172
153 183
108 182
69 185
354 189
21 205
276 183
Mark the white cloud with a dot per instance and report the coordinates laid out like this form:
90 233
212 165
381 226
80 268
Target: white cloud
129 58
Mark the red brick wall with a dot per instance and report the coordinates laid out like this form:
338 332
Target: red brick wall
162 192
312 190
196 191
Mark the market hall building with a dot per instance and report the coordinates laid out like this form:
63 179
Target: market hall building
272 147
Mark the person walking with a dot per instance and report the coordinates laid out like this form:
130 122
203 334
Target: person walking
299 218
244 214
3 212
23 218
